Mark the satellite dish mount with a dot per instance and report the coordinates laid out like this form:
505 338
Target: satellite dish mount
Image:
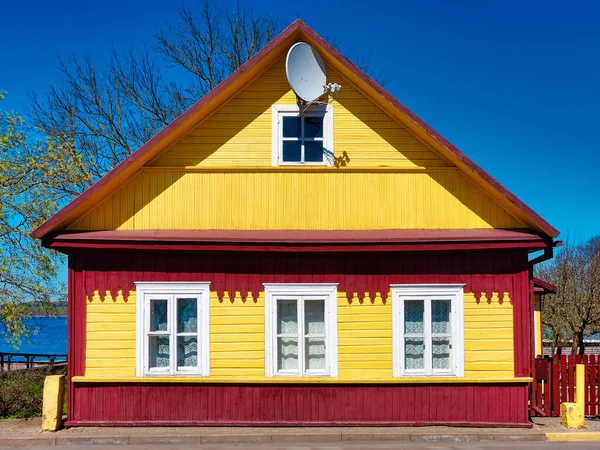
307 77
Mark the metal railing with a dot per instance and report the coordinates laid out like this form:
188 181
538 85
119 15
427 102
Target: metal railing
29 360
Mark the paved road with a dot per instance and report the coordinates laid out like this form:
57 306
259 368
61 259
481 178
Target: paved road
369 446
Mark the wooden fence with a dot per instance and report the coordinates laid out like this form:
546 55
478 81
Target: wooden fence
554 383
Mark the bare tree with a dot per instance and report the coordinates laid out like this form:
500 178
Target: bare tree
574 310
361 60
106 114
97 116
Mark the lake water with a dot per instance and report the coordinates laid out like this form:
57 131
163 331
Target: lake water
51 337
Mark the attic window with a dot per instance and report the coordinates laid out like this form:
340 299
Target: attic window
302 138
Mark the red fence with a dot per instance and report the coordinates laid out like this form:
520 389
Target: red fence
554 383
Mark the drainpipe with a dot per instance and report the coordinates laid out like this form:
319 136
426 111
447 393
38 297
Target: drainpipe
548 254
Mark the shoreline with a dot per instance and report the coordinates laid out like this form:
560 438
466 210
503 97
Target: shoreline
48 317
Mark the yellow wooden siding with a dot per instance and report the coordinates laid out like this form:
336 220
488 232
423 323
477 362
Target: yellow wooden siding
364 339
110 337
232 200
237 349
239 133
237 338
489 344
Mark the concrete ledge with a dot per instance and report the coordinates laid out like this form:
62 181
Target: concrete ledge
512 437
375 437
321 437
280 436
92 440
168 440
27 441
250 438
449 437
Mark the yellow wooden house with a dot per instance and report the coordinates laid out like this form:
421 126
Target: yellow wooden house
255 264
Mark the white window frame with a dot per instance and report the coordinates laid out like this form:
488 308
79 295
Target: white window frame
428 292
171 291
279 111
301 292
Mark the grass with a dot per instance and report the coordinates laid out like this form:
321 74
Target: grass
21 392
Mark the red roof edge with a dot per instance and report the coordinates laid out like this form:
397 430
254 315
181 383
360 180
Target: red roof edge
297 25
306 236
300 240
543 287
549 229
131 159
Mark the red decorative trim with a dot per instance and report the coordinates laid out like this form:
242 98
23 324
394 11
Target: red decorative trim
480 271
306 405
297 28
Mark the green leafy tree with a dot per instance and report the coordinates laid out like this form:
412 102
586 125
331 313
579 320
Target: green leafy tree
35 176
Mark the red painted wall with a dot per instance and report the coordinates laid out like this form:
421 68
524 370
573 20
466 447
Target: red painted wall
481 271
293 405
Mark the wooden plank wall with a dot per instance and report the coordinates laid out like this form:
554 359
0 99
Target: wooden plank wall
306 405
239 133
494 347
321 200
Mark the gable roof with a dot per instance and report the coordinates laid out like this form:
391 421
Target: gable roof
298 30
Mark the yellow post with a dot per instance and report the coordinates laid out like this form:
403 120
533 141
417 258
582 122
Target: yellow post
537 316
580 385
573 414
54 398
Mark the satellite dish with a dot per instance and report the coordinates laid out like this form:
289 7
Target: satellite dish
305 72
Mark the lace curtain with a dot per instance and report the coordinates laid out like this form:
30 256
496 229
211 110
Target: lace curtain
313 335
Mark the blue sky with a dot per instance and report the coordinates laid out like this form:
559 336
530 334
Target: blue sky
514 84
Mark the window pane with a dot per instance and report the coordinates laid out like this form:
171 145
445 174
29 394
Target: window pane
287 317
313 151
159 351
287 354
313 127
440 316
158 315
440 348
291 127
414 353
187 351
314 317
314 353
291 151
413 316
187 315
